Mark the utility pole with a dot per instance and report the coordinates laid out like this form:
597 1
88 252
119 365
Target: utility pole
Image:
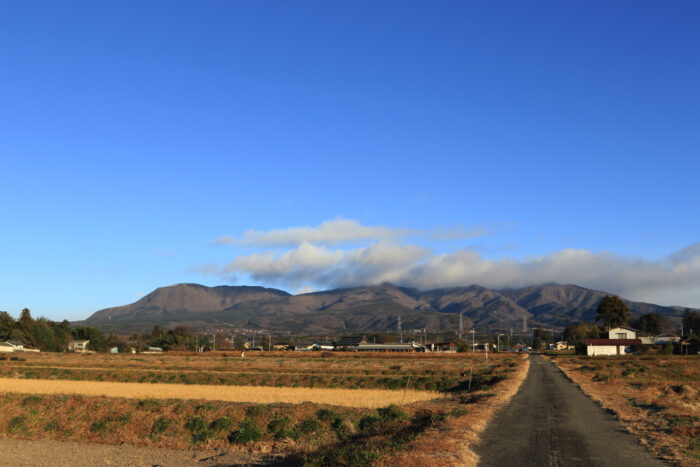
461 325
269 342
400 331
498 342
214 346
473 342
196 343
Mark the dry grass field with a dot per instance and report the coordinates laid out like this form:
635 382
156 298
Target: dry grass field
655 396
313 408
427 372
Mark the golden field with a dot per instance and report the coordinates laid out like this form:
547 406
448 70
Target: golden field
368 398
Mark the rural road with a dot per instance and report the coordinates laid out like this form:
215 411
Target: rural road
551 422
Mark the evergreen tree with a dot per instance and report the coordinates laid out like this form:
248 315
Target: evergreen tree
612 311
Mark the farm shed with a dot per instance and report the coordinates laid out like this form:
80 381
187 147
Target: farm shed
386 348
610 346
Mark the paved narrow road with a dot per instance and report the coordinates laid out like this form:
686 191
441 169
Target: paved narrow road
551 422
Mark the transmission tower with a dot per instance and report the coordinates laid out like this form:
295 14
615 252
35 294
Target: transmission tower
400 332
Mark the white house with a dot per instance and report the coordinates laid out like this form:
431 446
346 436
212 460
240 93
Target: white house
16 346
622 332
5 347
78 346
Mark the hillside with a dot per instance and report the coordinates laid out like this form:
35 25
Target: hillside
361 309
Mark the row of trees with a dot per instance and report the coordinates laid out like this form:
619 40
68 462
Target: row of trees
47 335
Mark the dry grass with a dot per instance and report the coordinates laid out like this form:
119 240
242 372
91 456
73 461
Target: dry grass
368 398
656 398
314 369
357 428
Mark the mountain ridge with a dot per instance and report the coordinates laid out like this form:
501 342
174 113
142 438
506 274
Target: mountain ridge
361 309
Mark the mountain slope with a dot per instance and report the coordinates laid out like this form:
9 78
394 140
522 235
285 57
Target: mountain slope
360 309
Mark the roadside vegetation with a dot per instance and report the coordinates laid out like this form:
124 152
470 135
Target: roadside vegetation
655 396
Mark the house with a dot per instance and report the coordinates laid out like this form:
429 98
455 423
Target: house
619 342
78 346
17 346
562 345
622 332
114 350
5 347
444 347
661 339
350 342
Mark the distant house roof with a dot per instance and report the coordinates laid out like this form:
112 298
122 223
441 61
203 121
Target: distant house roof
155 349
380 347
351 341
15 343
613 341
5 344
624 327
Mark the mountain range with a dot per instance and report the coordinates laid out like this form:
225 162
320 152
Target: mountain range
361 309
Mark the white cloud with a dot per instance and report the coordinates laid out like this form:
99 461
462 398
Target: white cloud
673 280
335 232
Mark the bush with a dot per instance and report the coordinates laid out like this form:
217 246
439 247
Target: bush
257 410
160 425
221 424
99 426
199 430
248 431
392 412
310 425
326 415
17 424
279 427
52 426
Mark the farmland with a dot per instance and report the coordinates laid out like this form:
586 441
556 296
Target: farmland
656 398
314 408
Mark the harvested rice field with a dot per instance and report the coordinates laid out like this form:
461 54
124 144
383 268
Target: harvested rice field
317 408
369 398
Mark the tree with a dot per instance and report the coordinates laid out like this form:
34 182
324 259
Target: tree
612 311
691 322
651 323
7 324
576 335
25 321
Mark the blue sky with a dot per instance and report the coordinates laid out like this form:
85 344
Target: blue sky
494 142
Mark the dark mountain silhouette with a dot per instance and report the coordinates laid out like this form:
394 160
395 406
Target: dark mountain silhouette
361 309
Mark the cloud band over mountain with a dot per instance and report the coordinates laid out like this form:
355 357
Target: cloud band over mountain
311 256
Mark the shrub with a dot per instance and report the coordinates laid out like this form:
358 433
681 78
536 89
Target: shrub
279 427
310 425
17 424
30 400
392 412
52 426
99 426
257 410
221 424
248 431
160 425
197 426
326 415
